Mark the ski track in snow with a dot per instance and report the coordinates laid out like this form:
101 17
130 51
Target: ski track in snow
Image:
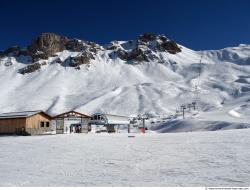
218 158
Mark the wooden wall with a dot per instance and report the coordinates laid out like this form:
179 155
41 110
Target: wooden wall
9 126
33 122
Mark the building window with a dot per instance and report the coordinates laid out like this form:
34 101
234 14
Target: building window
41 124
47 124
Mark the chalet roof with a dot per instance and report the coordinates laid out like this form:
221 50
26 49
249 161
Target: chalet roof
23 114
71 114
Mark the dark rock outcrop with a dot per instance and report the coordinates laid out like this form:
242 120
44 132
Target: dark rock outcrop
137 55
8 63
75 45
57 60
170 47
145 48
161 43
122 54
114 45
163 38
147 37
111 47
46 45
30 68
94 47
84 58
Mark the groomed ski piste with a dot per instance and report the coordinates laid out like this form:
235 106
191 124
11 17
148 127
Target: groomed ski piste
212 158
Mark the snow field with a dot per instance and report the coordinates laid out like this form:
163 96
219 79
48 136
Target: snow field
219 158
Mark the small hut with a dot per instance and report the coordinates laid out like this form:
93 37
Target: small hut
25 123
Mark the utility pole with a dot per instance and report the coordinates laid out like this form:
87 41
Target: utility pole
183 107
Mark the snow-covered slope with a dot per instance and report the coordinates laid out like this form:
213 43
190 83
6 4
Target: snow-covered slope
181 159
130 78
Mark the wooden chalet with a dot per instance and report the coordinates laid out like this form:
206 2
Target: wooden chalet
25 123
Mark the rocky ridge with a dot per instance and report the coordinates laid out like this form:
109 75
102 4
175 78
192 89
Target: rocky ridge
47 45
144 48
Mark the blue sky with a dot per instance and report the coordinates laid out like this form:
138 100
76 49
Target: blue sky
197 24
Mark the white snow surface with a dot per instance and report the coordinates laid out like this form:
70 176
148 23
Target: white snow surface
116 87
218 158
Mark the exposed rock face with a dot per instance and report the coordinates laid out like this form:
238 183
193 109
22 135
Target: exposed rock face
93 47
46 45
136 54
30 68
84 58
169 46
76 61
144 48
147 37
75 45
122 54
160 43
57 60
114 45
111 47
7 64
147 47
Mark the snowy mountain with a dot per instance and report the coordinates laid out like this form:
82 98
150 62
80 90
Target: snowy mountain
151 74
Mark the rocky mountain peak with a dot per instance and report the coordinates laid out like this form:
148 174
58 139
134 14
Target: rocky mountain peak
147 47
144 48
146 37
46 45
158 43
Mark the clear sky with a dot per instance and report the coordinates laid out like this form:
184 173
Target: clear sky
197 24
